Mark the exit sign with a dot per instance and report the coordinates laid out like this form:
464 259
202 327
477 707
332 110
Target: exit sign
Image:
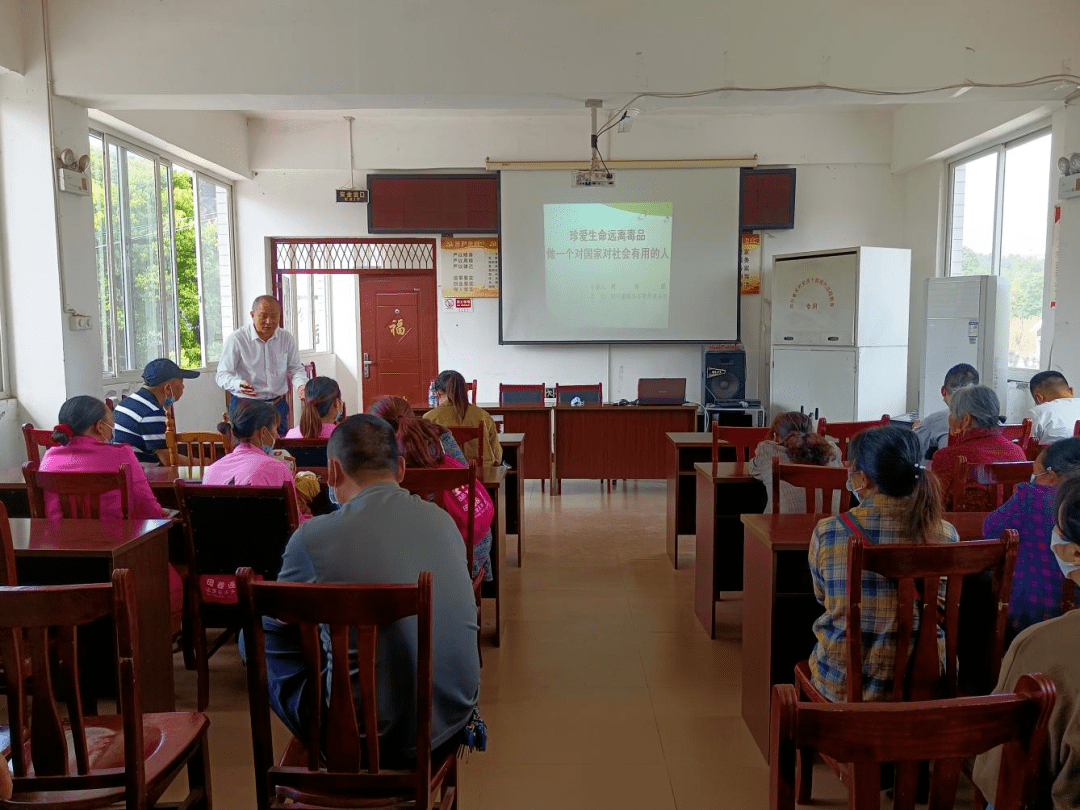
353 195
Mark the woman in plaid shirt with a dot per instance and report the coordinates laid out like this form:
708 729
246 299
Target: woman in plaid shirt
899 502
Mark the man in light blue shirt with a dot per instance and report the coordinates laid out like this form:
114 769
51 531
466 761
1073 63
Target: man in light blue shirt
933 430
383 534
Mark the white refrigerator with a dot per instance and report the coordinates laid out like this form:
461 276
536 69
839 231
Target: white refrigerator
839 333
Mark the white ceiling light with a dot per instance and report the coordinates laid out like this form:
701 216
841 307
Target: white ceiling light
627 119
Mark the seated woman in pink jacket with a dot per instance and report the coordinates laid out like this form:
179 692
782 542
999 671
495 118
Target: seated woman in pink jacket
82 436
321 410
253 426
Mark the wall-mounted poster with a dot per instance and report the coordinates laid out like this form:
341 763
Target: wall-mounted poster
469 268
750 264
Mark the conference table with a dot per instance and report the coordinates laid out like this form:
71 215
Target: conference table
515 461
533 421
779 607
723 496
67 552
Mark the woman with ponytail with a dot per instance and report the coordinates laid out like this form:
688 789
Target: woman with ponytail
899 502
425 444
455 410
83 435
792 439
321 411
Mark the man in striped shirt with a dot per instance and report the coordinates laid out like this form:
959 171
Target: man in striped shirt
140 417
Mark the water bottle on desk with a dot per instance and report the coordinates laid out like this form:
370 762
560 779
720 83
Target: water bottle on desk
432 396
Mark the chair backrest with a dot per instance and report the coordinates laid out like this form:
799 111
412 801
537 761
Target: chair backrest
918 570
437 485
512 394
470 387
1018 434
39 624
1076 429
588 394
352 763
8 574
79 493
844 431
36 439
226 527
463 436
945 732
744 439
813 479
985 487
310 369
310 454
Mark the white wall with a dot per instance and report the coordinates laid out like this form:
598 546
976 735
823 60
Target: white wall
846 196
11 48
1066 347
552 54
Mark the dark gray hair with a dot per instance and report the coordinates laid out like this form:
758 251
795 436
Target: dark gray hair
980 402
961 376
364 443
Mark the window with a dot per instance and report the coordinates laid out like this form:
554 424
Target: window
163 248
998 225
306 298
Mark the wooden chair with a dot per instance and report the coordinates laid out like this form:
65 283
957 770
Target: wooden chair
844 431
350 771
744 439
588 394
35 440
512 394
89 761
985 487
201 448
917 569
1076 429
470 387
812 479
946 732
1018 434
463 436
79 493
1068 595
310 454
310 369
226 527
437 485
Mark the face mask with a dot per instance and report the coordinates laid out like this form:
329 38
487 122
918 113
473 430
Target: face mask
333 497
340 413
169 399
850 486
108 438
268 448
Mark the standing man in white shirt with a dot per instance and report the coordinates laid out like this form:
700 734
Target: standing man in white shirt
259 360
1056 410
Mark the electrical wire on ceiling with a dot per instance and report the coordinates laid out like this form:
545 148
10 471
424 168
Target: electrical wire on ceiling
620 114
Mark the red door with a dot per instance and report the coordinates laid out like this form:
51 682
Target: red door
398 337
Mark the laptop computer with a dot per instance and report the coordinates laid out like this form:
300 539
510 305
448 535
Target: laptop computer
661 391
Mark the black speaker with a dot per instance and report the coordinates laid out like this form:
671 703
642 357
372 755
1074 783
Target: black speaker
723 375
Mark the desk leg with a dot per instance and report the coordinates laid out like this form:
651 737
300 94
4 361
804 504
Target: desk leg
519 494
672 523
498 556
757 621
704 592
149 564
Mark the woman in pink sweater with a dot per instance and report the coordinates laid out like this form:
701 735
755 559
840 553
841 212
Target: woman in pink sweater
82 437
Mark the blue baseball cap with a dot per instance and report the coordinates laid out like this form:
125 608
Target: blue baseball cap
164 369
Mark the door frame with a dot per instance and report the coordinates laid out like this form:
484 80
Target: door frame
363 257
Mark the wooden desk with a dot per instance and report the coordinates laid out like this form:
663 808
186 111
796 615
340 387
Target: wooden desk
67 552
721 499
684 450
779 607
535 422
613 442
515 460
494 481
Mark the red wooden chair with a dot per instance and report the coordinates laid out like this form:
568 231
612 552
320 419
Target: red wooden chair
812 479
946 732
744 439
79 493
35 440
89 761
436 485
512 394
844 431
985 487
1017 434
917 569
470 388
588 394
334 766
1076 429
464 436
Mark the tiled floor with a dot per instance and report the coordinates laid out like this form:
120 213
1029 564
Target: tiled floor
606 692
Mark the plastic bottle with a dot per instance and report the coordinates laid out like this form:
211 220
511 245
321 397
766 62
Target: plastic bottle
432 397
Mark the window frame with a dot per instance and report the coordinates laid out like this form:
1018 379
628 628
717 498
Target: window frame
1017 138
290 313
168 160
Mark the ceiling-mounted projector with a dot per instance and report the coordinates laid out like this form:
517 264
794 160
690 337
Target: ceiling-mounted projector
591 177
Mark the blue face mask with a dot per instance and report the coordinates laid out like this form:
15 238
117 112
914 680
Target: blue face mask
849 486
333 497
169 400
